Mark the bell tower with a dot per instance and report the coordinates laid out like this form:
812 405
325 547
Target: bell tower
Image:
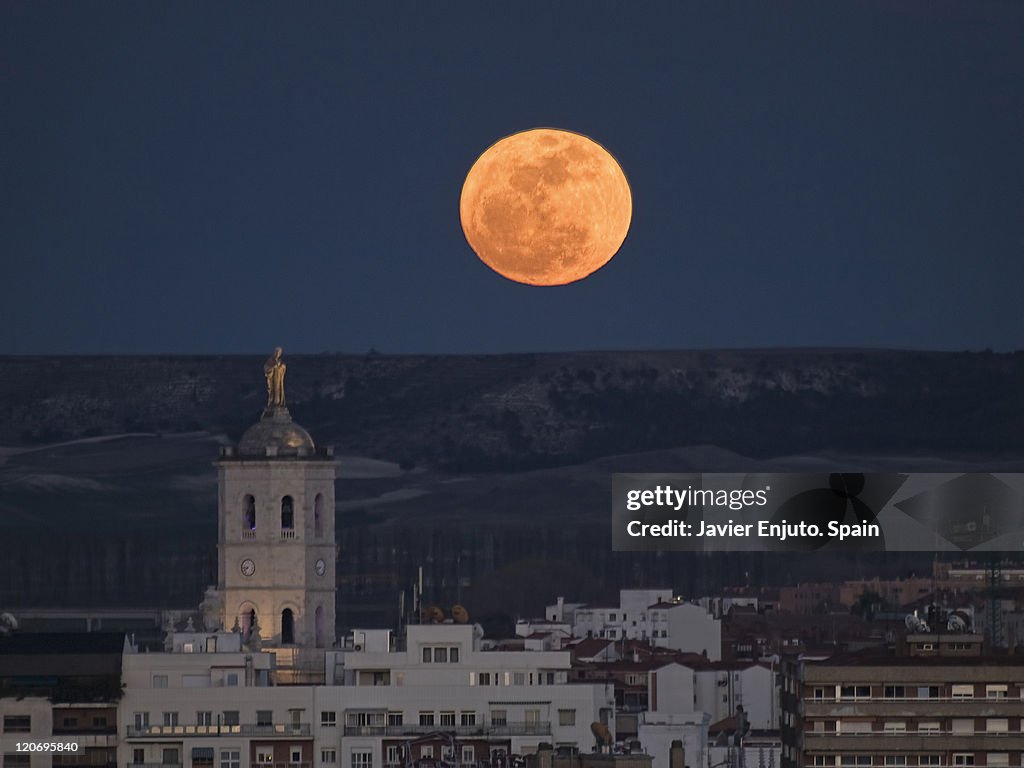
276 546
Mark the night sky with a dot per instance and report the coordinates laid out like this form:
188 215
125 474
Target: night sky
220 178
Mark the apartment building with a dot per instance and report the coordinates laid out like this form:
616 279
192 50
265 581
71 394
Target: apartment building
930 707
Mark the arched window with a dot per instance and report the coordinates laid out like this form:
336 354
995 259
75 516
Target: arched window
287 626
287 514
249 513
318 520
248 622
319 626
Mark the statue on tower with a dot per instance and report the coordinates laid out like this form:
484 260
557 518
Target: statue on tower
274 370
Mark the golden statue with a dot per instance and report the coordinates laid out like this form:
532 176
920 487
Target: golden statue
274 370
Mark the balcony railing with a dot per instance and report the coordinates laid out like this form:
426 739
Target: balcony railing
913 699
84 731
492 729
279 765
162 731
153 765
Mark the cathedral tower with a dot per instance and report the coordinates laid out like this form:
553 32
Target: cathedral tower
276 546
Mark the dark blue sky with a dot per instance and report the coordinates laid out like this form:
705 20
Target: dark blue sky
204 177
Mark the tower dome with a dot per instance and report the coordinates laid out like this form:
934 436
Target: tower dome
275 434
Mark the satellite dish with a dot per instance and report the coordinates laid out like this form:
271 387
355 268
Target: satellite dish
601 733
432 615
956 623
7 623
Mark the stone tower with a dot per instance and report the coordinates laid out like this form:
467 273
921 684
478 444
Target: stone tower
276 546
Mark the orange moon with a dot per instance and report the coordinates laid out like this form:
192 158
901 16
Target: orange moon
545 207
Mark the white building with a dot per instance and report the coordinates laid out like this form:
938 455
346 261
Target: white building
650 615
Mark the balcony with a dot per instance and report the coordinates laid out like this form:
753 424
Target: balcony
280 730
910 707
85 739
507 729
912 741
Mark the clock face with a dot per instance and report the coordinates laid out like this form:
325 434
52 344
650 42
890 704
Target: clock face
321 567
248 567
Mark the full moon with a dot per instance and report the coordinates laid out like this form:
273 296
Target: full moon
545 207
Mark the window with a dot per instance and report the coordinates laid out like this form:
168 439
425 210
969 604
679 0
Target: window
854 726
440 655
929 760
930 728
611 617
963 759
15 760
485 678
362 759
230 758
427 656
499 717
467 718
159 681
855 692
963 726
17 723
518 678
295 755
318 514
894 692
426 718
963 691
264 717
898 760
138 756
468 755
204 718
995 692
819 760
453 655
231 717
928 692
232 679
894 727
328 719
328 756
248 513
567 717
448 719
264 755
394 755
170 718
142 720
394 718
170 756
998 759
287 514
99 722
997 725
855 760
818 693
427 750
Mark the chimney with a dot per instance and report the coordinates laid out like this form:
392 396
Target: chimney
675 754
